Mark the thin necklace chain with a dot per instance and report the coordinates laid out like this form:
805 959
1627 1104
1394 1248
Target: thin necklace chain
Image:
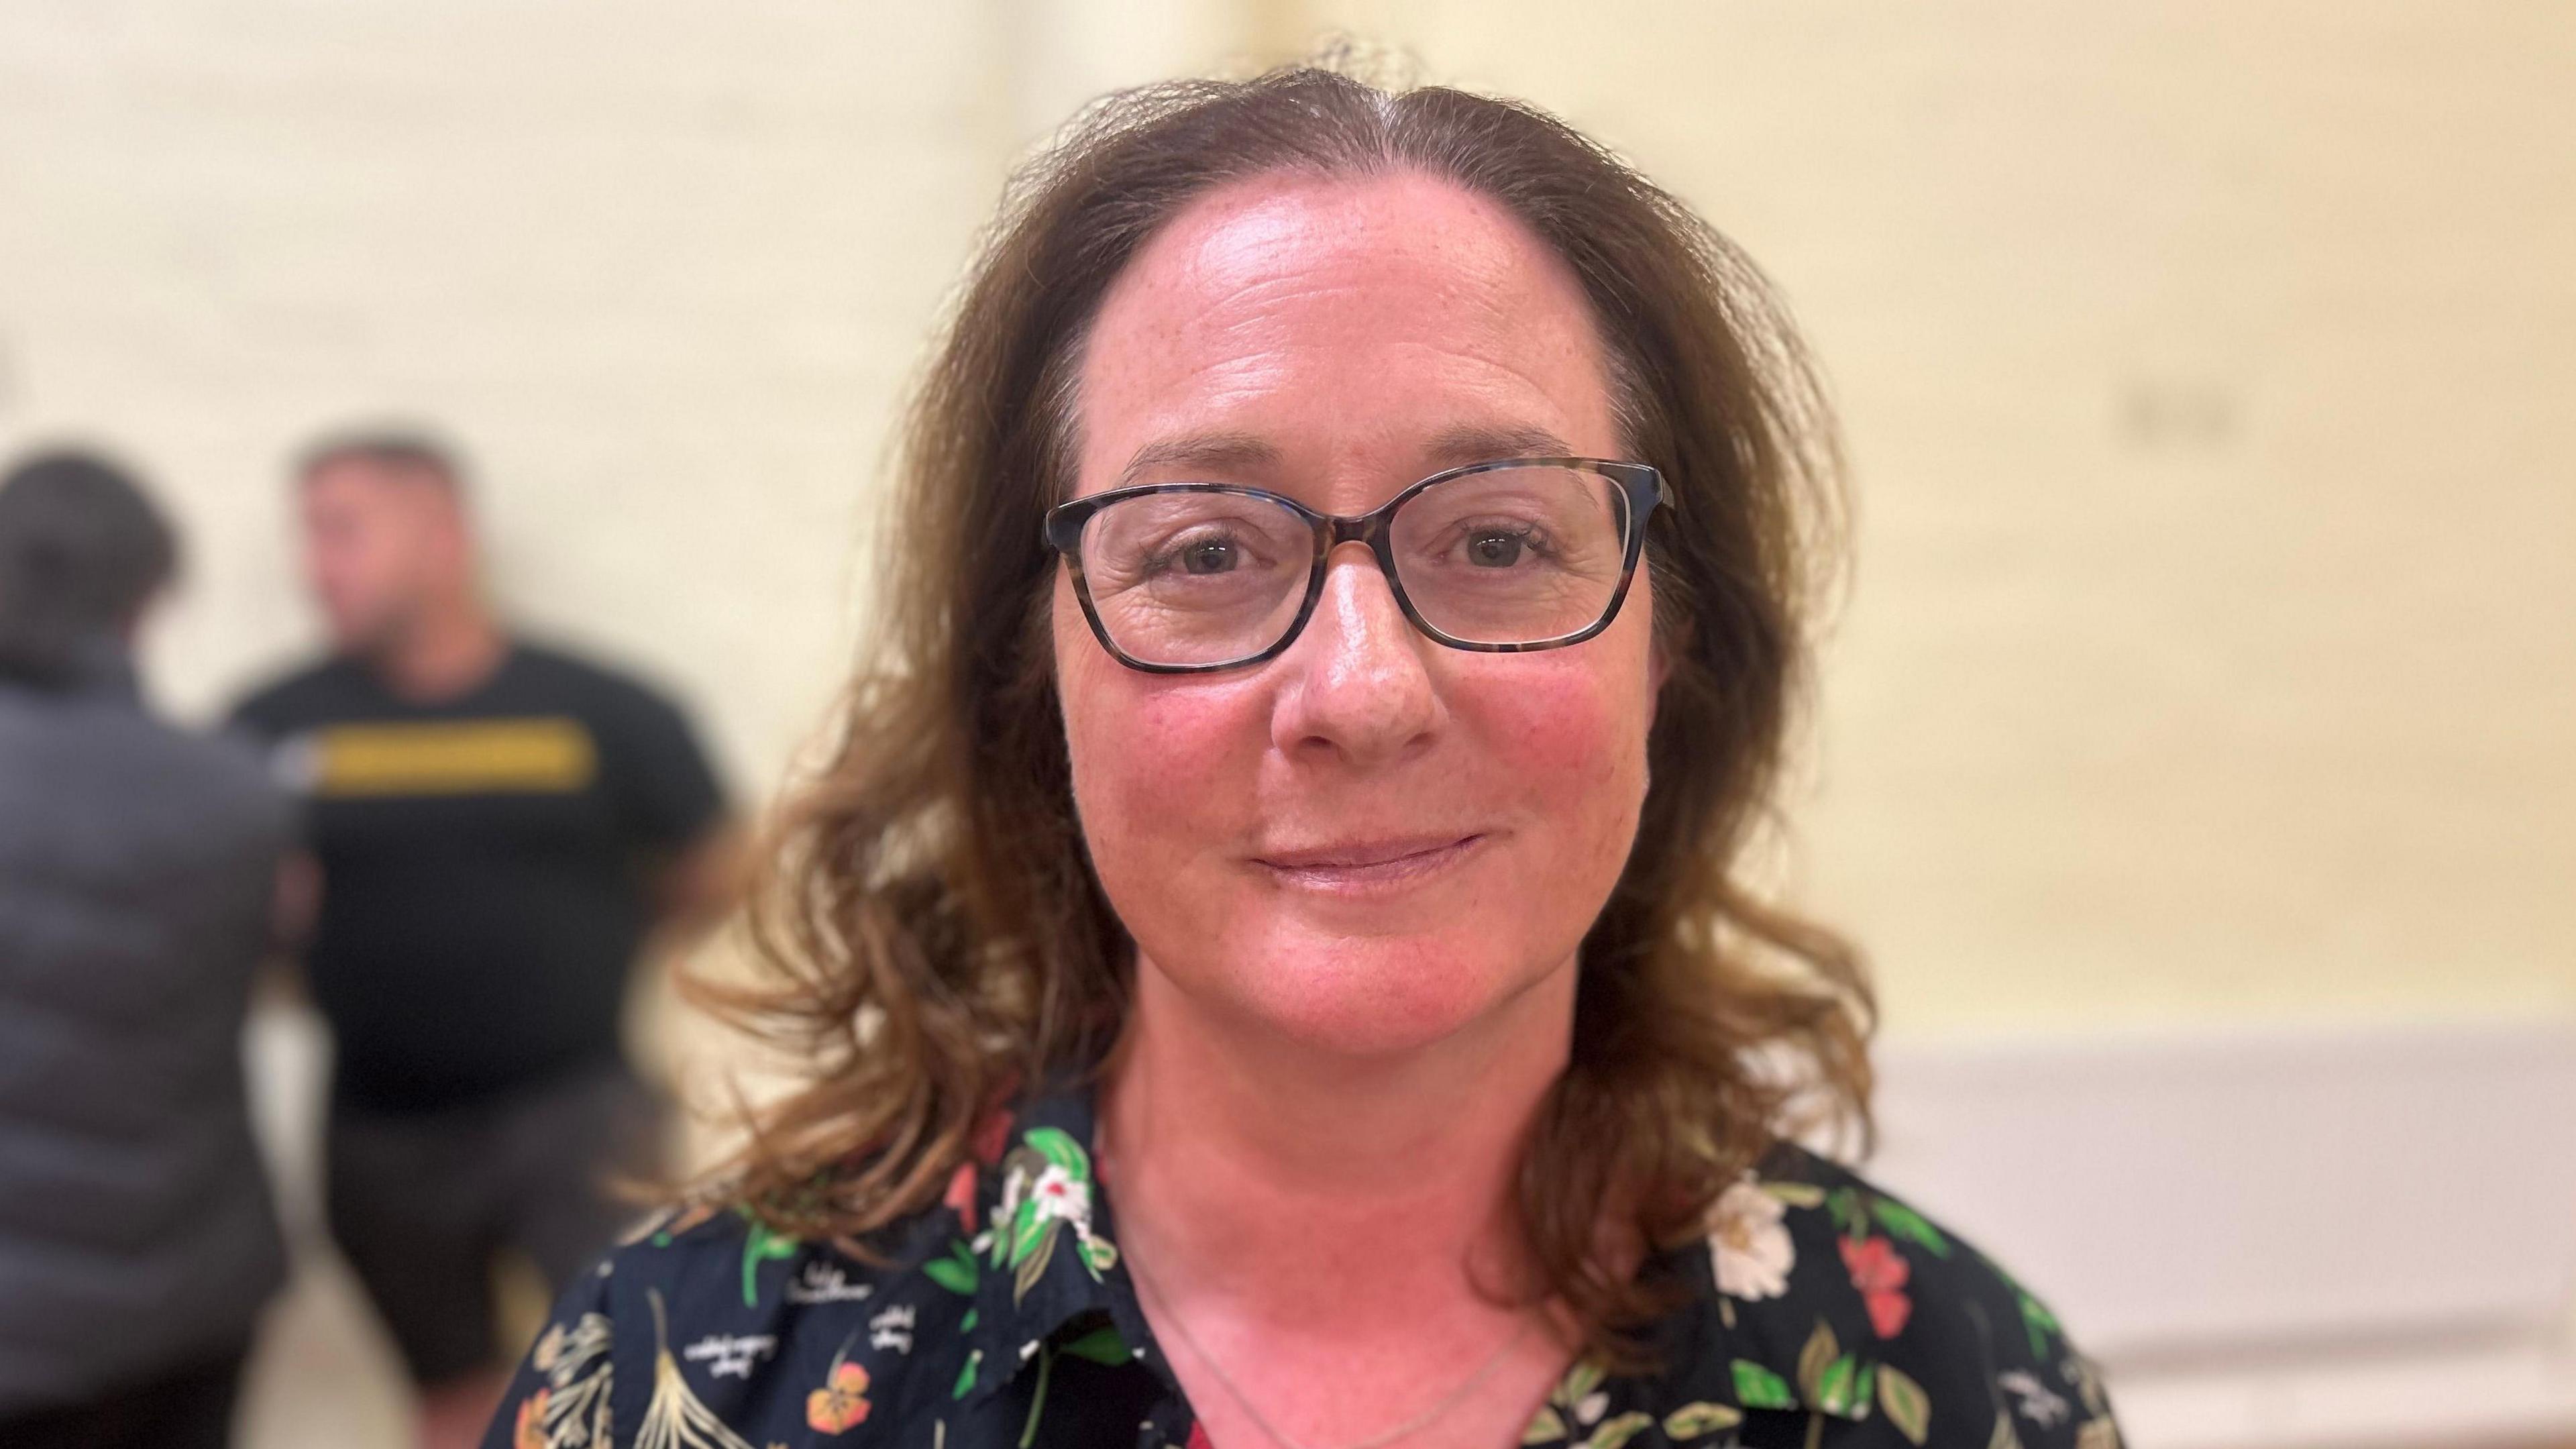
1417 1423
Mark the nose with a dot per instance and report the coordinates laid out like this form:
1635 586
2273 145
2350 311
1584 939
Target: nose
1358 686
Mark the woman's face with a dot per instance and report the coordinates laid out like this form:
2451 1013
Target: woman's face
1371 842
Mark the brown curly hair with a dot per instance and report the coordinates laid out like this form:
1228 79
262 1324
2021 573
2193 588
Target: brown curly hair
932 935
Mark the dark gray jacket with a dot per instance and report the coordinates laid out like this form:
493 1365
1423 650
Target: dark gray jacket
137 867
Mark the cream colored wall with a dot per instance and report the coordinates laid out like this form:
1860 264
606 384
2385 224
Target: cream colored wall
660 267
2210 654
2207 369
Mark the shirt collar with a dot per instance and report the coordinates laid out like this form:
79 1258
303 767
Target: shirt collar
1049 1276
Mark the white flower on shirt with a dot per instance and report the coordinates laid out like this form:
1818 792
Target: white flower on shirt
1059 1194
1749 1244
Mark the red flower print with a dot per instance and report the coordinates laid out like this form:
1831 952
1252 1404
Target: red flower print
1887 1312
992 1135
961 1194
1879 1272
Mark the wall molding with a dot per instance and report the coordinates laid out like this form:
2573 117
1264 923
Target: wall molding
2331 1234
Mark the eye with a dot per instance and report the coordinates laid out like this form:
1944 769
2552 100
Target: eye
1495 548
1210 556
1202 551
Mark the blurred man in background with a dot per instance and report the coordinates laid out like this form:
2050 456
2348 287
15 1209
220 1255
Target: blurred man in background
138 865
499 828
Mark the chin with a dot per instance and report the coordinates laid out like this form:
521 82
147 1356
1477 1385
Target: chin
1382 997
357 634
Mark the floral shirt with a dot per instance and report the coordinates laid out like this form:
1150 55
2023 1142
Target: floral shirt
1821 1312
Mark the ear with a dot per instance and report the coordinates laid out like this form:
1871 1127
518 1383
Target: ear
453 530
1665 643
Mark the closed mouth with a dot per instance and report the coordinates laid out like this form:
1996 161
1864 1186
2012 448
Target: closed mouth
1362 864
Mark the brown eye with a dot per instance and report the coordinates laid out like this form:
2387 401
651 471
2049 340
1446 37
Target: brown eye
1494 550
1210 557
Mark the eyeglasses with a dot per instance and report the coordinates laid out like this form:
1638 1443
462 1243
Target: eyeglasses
1505 557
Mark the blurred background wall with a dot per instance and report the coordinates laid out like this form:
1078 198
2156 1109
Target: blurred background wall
2211 649
2210 657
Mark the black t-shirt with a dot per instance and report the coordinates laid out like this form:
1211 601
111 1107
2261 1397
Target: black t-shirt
485 865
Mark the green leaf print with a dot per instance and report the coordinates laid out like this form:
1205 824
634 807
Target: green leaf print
1691 1421
1101 1345
1544 1426
1904 1222
1619 1430
1907 1406
760 1245
956 1272
1057 1146
2040 1323
1760 1388
1018 1209
1034 1266
1028 1229
1028 1246
966 1375
1838 1387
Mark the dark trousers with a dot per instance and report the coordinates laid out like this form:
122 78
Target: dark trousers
189 1409
420 1203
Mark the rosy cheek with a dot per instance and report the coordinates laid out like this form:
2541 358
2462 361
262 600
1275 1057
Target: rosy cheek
1567 728
1160 768
1167 767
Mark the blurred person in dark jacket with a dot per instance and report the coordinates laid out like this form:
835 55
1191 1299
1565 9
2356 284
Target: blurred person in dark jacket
500 827
138 864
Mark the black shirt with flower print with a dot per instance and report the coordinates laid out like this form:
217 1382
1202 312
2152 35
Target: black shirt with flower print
1821 1312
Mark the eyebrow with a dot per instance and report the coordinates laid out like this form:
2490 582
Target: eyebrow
1476 443
1245 452
1219 452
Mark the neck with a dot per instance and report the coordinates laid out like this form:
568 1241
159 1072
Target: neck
1364 1178
446 649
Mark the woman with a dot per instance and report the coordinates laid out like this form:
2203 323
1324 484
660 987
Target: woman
1349 586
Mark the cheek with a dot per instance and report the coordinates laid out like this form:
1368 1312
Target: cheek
1572 723
1162 766
1575 739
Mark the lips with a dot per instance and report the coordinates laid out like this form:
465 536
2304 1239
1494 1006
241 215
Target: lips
1360 864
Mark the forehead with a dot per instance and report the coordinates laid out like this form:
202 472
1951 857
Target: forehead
1332 319
345 483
